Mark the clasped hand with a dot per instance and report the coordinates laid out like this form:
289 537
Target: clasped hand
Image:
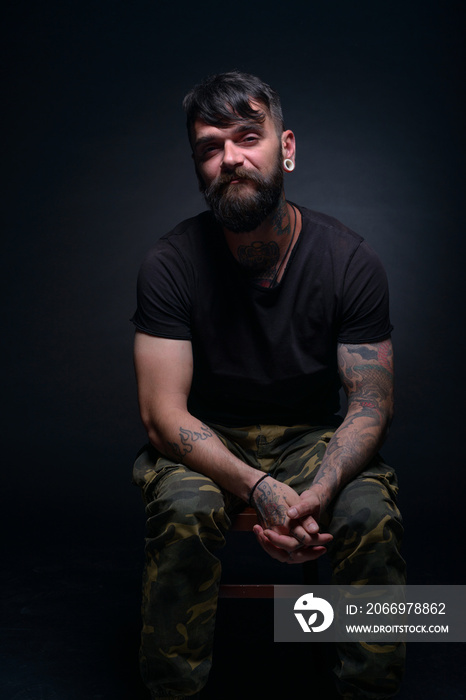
289 524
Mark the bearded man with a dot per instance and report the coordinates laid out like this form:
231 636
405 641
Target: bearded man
250 318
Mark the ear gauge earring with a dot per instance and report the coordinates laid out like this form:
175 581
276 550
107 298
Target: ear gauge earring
288 164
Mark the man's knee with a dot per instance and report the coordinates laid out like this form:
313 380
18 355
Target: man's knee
367 519
186 505
367 529
368 503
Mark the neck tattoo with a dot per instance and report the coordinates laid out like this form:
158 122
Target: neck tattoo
274 280
263 260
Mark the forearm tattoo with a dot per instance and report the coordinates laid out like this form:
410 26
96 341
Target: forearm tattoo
187 438
367 375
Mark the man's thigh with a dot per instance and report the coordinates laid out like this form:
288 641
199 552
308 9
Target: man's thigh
179 492
367 528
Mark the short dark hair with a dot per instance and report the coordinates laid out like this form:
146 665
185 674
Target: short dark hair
224 98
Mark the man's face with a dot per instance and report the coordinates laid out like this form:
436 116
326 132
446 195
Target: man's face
240 171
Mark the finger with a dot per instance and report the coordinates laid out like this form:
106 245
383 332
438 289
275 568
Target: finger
283 541
310 525
288 542
300 513
299 533
296 511
299 556
275 552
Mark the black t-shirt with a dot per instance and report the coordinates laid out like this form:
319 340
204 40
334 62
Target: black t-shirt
264 355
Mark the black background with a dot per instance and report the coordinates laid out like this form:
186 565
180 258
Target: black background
97 166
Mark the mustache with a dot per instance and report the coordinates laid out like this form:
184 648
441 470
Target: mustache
238 174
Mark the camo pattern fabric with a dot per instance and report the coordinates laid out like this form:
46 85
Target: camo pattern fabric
188 517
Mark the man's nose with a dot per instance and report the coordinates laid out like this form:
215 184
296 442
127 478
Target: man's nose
232 156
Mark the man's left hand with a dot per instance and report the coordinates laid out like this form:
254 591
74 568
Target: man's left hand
293 548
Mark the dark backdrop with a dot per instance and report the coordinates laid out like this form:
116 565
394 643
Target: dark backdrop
98 167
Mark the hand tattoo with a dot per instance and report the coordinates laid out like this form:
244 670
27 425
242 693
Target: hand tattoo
268 505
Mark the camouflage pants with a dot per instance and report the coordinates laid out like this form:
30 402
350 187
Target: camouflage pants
188 516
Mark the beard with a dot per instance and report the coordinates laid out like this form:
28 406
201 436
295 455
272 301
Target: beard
236 207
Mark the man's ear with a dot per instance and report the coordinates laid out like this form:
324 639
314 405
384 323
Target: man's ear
288 144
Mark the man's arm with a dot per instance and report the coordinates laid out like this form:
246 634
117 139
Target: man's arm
366 372
164 369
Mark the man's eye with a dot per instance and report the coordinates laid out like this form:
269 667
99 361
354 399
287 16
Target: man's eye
208 151
252 138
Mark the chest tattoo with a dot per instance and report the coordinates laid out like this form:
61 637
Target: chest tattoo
259 256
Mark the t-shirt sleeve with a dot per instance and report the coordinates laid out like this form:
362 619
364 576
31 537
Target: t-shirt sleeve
365 316
163 306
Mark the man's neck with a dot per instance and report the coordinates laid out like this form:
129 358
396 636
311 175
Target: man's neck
265 251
